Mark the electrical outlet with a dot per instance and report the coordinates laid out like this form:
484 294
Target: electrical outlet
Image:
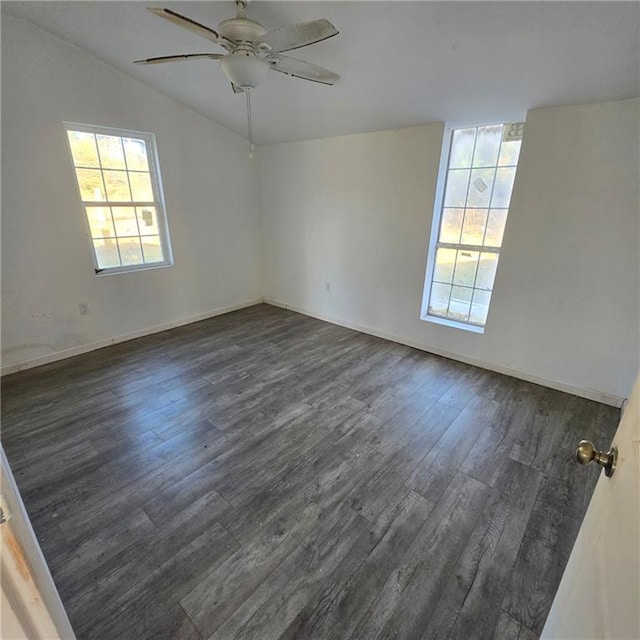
327 286
83 307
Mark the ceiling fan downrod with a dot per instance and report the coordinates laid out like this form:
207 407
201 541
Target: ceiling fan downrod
242 8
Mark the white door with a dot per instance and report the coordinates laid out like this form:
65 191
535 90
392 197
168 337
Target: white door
30 606
599 595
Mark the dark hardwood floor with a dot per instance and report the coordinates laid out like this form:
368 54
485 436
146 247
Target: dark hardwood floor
265 475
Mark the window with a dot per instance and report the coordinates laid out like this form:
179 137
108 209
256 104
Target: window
471 212
120 189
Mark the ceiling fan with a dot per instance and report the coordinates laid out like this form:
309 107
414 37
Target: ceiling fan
252 50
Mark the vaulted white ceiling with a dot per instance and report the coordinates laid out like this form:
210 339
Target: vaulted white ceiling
402 63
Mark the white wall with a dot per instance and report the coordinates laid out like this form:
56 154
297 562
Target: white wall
210 188
355 211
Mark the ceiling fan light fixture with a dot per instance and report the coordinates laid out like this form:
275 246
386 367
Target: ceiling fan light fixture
244 70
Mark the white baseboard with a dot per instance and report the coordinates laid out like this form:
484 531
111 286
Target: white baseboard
99 344
590 394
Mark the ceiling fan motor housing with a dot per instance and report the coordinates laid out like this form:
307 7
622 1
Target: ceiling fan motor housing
241 29
242 66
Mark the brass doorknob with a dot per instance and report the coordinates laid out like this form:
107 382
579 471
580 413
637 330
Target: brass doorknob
587 453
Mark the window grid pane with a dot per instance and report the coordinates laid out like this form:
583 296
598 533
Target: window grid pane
479 181
117 188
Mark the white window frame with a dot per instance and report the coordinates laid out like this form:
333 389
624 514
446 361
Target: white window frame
438 210
158 193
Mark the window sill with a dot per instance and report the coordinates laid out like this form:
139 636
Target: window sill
112 271
453 323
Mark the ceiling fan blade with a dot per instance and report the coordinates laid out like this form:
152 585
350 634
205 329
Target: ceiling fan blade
193 26
301 69
300 35
236 89
185 56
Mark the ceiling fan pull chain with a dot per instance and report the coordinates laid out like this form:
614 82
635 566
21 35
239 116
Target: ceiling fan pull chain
247 92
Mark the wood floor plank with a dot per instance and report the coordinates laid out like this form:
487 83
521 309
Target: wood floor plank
113 489
468 384
433 475
567 486
170 622
353 561
133 612
268 611
475 566
395 468
407 599
556 529
489 455
264 474
342 604
109 505
506 628
99 584
480 610
218 596
527 634
94 550
535 446
221 593
533 584
306 480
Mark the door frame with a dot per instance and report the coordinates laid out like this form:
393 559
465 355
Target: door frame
31 604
